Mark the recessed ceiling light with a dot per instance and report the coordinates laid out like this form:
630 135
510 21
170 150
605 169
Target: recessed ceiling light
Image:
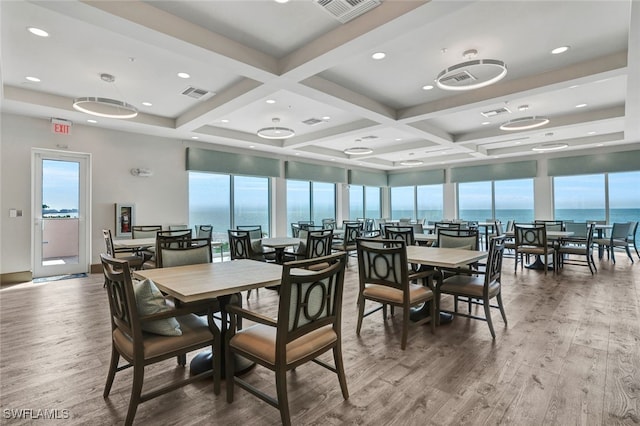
297 153
194 137
581 105
523 107
600 144
252 146
484 123
559 50
549 147
183 75
224 120
282 1
591 133
333 159
358 150
378 55
271 101
326 118
38 32
398 139
524 123
411 163
574 86
147 104
92 121
427 87
33 79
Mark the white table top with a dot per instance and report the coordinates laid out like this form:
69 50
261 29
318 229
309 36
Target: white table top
280 242
443 257
191 283
550 234
425 237
145 242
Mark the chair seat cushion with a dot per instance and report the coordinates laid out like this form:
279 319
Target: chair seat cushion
573 249
468 285
195 331
607 242
417 293
534 250
260 340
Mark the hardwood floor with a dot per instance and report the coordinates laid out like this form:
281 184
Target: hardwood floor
569 355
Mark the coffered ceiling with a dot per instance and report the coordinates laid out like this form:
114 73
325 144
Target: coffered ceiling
321 75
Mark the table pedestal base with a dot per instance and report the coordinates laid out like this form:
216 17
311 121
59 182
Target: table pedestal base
538 264
203 362
419 313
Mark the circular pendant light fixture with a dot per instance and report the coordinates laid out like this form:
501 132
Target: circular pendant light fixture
105 107
550 147
275 131
411 163
358 150
524 123
472 74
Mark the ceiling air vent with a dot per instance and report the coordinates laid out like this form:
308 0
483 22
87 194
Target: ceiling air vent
457 78
364 138
346 10
497 111
312 121
194 92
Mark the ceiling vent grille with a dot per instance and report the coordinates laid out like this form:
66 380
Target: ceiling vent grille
312 121
364 138
497 111
458 77
194 92
346 10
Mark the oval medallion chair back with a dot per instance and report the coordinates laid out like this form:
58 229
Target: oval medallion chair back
404 233
532 239
352 231
308 324
479 289
142 341
319 243
384 279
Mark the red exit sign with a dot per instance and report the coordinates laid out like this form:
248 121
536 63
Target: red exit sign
62 127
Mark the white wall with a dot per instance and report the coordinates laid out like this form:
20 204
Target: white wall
160 199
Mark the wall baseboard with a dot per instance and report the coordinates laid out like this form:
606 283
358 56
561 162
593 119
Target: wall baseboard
96 268
15 278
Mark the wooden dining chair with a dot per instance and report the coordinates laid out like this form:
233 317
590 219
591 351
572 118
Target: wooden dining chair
580 244
242 247
348 243
532 240
308 325
478 287
164 239
135 261
384 278
146 330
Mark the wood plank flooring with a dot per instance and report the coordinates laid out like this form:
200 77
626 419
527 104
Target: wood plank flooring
569 355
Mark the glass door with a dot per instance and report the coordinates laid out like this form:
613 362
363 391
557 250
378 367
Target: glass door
60 211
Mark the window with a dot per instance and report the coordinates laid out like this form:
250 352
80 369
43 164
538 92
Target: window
225 201
417 202
513 200
310 201
475 201
614 197
503 200
430 202
579 198
364 201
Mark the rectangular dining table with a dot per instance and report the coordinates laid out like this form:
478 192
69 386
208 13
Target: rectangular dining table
194 283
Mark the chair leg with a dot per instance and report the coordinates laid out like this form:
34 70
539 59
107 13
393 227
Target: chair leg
360 314
342 378
283 401
628 253
613 254
405 327
113 366
487 314
501 306
182 360
136 390
229 377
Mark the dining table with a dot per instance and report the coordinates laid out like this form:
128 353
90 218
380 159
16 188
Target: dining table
205 281
139 244
279 244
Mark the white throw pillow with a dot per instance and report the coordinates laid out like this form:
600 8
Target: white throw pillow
149 300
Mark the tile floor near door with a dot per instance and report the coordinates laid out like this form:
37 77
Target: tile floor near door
570 355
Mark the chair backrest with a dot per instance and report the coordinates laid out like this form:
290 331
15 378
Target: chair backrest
178 227
318 243
509 227
531 234
552 225
418 228
404 233
309 300
198 252
108 242
448 225
620 231
494 262
295 230
240 244
145 231
304 223
122 302
171 239
579 229
351 233
329 223
468 239
633 230
383 262
255 231
204 231
369 224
